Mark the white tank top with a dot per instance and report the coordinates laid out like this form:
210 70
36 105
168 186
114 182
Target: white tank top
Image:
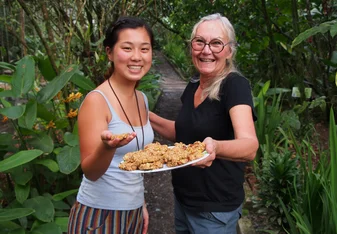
117 189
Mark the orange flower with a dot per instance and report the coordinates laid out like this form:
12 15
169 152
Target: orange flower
73 97
72 113
4 119
51 124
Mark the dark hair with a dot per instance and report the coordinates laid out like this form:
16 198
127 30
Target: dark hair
112 33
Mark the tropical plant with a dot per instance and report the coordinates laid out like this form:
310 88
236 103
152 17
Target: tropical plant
314 204
42 152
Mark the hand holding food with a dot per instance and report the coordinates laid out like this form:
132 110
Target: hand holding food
117 140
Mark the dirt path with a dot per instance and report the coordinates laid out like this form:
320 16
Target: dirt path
158 188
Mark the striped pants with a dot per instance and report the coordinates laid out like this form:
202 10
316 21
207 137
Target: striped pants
87 220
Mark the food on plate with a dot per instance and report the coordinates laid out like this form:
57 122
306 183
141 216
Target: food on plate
155 155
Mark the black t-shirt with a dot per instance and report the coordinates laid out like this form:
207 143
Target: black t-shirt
218 188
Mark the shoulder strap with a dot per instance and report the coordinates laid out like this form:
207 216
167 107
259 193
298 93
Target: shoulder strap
113 113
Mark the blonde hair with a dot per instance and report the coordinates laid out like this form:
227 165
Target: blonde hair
213 87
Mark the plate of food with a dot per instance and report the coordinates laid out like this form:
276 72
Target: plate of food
156 157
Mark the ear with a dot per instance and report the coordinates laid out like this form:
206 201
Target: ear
109 52
230 54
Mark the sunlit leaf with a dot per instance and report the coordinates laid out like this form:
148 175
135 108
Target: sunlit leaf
5 78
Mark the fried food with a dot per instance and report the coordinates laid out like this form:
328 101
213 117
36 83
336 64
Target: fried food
155 155
120 136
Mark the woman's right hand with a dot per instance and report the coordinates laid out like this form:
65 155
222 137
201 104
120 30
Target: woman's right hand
114 141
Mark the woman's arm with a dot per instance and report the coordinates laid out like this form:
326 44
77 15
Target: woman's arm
245 145
163 127
96 147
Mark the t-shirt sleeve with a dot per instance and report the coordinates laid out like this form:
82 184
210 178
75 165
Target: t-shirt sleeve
236 90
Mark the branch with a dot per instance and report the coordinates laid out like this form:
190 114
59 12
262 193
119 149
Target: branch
38 30
163 24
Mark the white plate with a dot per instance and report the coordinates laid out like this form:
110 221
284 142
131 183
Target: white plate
166 168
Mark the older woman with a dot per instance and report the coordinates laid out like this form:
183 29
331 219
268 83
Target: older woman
218 110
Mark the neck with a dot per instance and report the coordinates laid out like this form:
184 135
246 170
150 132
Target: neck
124 88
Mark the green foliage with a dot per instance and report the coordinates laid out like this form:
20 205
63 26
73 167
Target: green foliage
313 205
278 173
176 51
39 155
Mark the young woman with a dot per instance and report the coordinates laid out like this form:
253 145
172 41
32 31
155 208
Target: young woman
218 110
112 121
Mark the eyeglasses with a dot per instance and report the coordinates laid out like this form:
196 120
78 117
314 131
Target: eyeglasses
215 45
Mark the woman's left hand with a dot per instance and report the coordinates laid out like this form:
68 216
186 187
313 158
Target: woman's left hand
211 149
146 219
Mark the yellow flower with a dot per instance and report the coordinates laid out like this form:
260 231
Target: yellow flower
73 97
4 119
51 124
72 113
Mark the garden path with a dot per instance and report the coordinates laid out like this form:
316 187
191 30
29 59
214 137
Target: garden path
158 188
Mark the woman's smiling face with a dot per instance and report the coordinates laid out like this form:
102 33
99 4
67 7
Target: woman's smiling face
210 64
132 54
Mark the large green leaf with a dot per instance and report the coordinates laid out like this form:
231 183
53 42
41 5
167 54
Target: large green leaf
24 76
61 196
6 138
13 112
44 113
53 87
29 117
18 159
49 163
71 139
46 68
322 28
20 175
82 82
8 66
42 141
22 192
7 93
5 78
11 214
44 209
69 159
10 227
63 223
48 228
